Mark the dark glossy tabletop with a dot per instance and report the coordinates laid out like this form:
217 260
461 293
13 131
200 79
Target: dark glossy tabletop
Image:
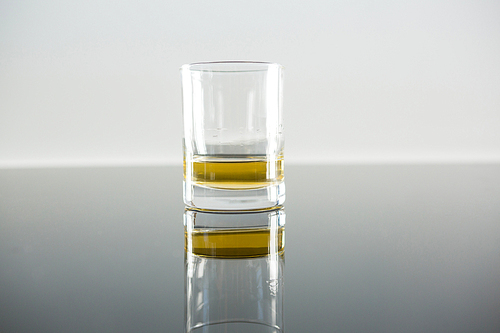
368 249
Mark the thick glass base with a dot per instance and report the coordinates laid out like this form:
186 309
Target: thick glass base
220 199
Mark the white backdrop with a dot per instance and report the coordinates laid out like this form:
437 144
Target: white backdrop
97 82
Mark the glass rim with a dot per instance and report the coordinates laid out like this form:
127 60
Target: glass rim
231 66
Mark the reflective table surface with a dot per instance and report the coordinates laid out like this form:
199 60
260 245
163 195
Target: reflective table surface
401 248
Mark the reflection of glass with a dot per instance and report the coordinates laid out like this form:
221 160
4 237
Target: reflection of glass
233 135
234 277
234 234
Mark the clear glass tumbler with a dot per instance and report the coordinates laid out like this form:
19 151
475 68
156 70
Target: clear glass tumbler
233 135
234 277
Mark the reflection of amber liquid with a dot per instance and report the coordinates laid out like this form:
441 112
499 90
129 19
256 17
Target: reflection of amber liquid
234 172
235 243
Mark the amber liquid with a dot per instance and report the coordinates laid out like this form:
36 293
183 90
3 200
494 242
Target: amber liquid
233 172
243 243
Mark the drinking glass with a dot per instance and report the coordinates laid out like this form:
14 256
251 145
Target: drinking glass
233 135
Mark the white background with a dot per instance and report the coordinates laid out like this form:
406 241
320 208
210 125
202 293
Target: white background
97 82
